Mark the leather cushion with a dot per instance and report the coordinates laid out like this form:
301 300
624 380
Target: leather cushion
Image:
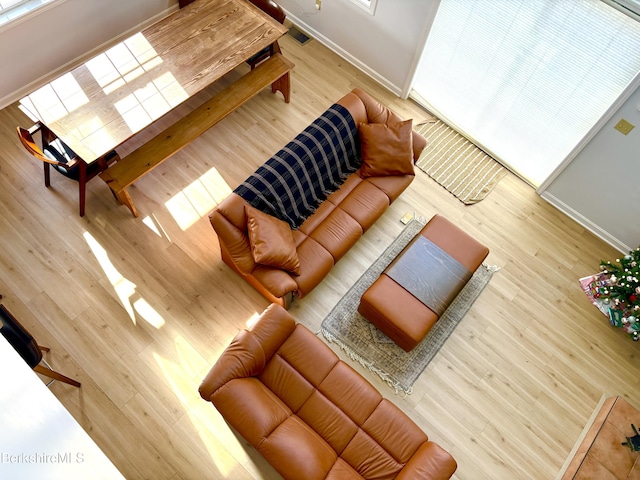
341 470
271 241
365 109
262 410
338 233
316 263
386 149
366 203
456 242
297 452
398 314
392 185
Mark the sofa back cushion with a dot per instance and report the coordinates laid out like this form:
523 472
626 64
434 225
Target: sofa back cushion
345 410
293 182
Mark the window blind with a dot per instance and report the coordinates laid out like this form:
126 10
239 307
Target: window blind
527 79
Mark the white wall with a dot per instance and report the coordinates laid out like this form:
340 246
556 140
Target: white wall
600 188
385 45
37 46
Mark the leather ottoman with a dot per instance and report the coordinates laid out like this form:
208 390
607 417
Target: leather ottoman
417 287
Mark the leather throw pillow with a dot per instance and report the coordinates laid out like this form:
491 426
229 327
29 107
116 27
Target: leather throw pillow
386 149
271 241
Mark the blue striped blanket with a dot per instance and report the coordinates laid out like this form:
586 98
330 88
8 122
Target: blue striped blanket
297 179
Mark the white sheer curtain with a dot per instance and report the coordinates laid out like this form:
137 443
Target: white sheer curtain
527 79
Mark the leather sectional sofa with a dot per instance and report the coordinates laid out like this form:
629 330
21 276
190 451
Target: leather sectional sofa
338 221
310 414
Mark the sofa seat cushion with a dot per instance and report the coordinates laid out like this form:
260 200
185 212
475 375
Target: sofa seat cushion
391 427
316 219
366 203
370 433
347 187
393 185
341 470
315 264
329 421
338 233
264 411
294 444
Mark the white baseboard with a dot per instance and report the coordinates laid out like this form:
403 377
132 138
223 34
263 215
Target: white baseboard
585 222
32 86
395 89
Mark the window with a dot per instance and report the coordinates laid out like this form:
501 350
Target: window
368 5
12 9
527 79
629 7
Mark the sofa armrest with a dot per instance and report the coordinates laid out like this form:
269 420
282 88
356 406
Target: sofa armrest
250 350
233 241
242 358
275 281
430 461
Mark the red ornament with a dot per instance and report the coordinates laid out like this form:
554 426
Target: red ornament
633 297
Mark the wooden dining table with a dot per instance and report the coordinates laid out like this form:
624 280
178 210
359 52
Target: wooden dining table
102 103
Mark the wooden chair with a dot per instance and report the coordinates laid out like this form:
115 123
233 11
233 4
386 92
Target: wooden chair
276 12
55 153
22 341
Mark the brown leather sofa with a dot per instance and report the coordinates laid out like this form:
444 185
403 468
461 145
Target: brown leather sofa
310 414
331 231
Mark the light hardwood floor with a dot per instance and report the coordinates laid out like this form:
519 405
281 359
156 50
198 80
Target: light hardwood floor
139 309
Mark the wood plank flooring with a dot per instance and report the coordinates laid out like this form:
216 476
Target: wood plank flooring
138 309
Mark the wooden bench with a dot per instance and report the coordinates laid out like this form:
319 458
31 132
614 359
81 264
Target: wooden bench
274 72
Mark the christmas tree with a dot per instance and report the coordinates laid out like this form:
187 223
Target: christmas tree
621 291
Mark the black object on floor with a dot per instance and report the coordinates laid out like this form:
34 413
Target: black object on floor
298 35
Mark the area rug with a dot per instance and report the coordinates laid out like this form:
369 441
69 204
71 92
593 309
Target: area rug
367 345
457 164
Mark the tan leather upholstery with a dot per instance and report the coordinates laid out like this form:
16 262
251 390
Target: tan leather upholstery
391 156
271 241
395 311
310 414
326 235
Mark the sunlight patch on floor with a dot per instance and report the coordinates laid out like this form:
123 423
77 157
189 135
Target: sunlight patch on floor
179 375
198 198
147 312
124 288
155 226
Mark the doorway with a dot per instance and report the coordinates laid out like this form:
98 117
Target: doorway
526 80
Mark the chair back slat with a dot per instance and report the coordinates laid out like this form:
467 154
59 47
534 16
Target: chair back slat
26 138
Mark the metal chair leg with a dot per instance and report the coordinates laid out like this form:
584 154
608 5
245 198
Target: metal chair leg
48 372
